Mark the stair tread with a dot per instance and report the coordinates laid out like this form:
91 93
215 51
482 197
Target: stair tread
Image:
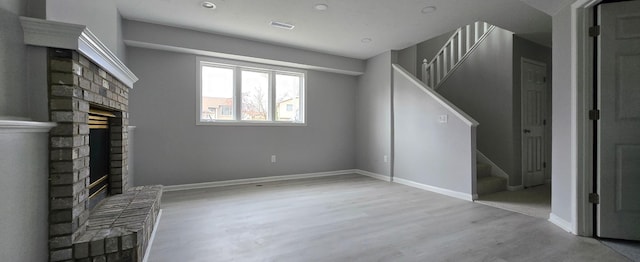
490 184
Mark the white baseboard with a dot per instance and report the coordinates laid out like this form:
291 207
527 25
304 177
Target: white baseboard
153 236
255 180
556 220
374 175
446 192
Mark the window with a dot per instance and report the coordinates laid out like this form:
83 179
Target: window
225 110
232 92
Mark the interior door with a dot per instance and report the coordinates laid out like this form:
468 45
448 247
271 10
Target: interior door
533 105
619 126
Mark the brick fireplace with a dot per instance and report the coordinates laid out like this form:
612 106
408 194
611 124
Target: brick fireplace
86 84
75 86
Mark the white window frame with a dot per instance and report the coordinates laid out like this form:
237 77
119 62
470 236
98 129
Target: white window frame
237 67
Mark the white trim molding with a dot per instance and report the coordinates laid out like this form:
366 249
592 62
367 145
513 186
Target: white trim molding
468 120
556 220
19 126
45 33
446 192
374 175
254 180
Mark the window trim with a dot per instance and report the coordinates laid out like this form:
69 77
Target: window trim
237 67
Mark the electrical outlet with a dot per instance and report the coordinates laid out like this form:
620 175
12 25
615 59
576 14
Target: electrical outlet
273 158
386 158
443 119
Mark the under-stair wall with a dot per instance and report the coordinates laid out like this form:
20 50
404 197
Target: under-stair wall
482 86
434 141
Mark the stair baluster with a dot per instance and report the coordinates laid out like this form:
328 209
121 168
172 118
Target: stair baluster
453 53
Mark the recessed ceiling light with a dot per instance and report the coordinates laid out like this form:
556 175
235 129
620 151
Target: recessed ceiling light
366 40
321 7
208 5
282 25
428 9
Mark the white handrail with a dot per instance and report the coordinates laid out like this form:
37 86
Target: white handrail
454 51
467 119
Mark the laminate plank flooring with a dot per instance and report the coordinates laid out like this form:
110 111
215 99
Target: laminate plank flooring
533 201
353 218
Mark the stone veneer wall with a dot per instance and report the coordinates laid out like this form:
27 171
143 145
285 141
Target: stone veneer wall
75 85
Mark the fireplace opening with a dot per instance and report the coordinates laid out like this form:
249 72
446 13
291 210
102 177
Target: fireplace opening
99 155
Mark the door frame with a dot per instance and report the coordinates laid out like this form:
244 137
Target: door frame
582 173
545 134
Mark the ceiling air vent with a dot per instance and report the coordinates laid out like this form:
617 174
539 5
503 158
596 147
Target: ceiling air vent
282 25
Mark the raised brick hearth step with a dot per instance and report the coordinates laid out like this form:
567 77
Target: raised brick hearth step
119 228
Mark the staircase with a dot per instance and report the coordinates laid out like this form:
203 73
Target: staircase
453 53
486 183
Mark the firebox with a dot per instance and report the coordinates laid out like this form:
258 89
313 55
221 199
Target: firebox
99 155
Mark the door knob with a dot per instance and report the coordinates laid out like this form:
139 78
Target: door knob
527 131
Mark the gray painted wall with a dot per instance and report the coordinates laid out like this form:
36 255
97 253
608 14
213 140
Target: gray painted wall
483 88
24 193
170 149
562 139
177 39
429 48
523 48
37 83
23 156
101 17
13 94
426 151
407 59
373 116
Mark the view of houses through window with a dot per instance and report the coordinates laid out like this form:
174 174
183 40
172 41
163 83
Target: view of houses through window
258 94
287 97
217 93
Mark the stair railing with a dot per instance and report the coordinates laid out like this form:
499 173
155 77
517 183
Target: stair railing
453 53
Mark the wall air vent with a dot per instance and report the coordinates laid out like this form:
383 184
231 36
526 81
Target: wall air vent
282 25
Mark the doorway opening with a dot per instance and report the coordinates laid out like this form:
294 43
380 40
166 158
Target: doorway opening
533 197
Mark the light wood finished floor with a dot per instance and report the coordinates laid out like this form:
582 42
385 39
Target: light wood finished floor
354 218
533 201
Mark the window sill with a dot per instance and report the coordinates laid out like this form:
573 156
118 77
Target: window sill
248 123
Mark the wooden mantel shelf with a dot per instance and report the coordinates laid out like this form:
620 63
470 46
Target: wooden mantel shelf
45 33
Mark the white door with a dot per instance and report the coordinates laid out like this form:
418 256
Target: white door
619 125
533 106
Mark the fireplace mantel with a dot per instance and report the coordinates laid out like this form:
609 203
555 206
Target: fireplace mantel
24 126
45 33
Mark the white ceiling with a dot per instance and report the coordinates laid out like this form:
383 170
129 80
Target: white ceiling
339 30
